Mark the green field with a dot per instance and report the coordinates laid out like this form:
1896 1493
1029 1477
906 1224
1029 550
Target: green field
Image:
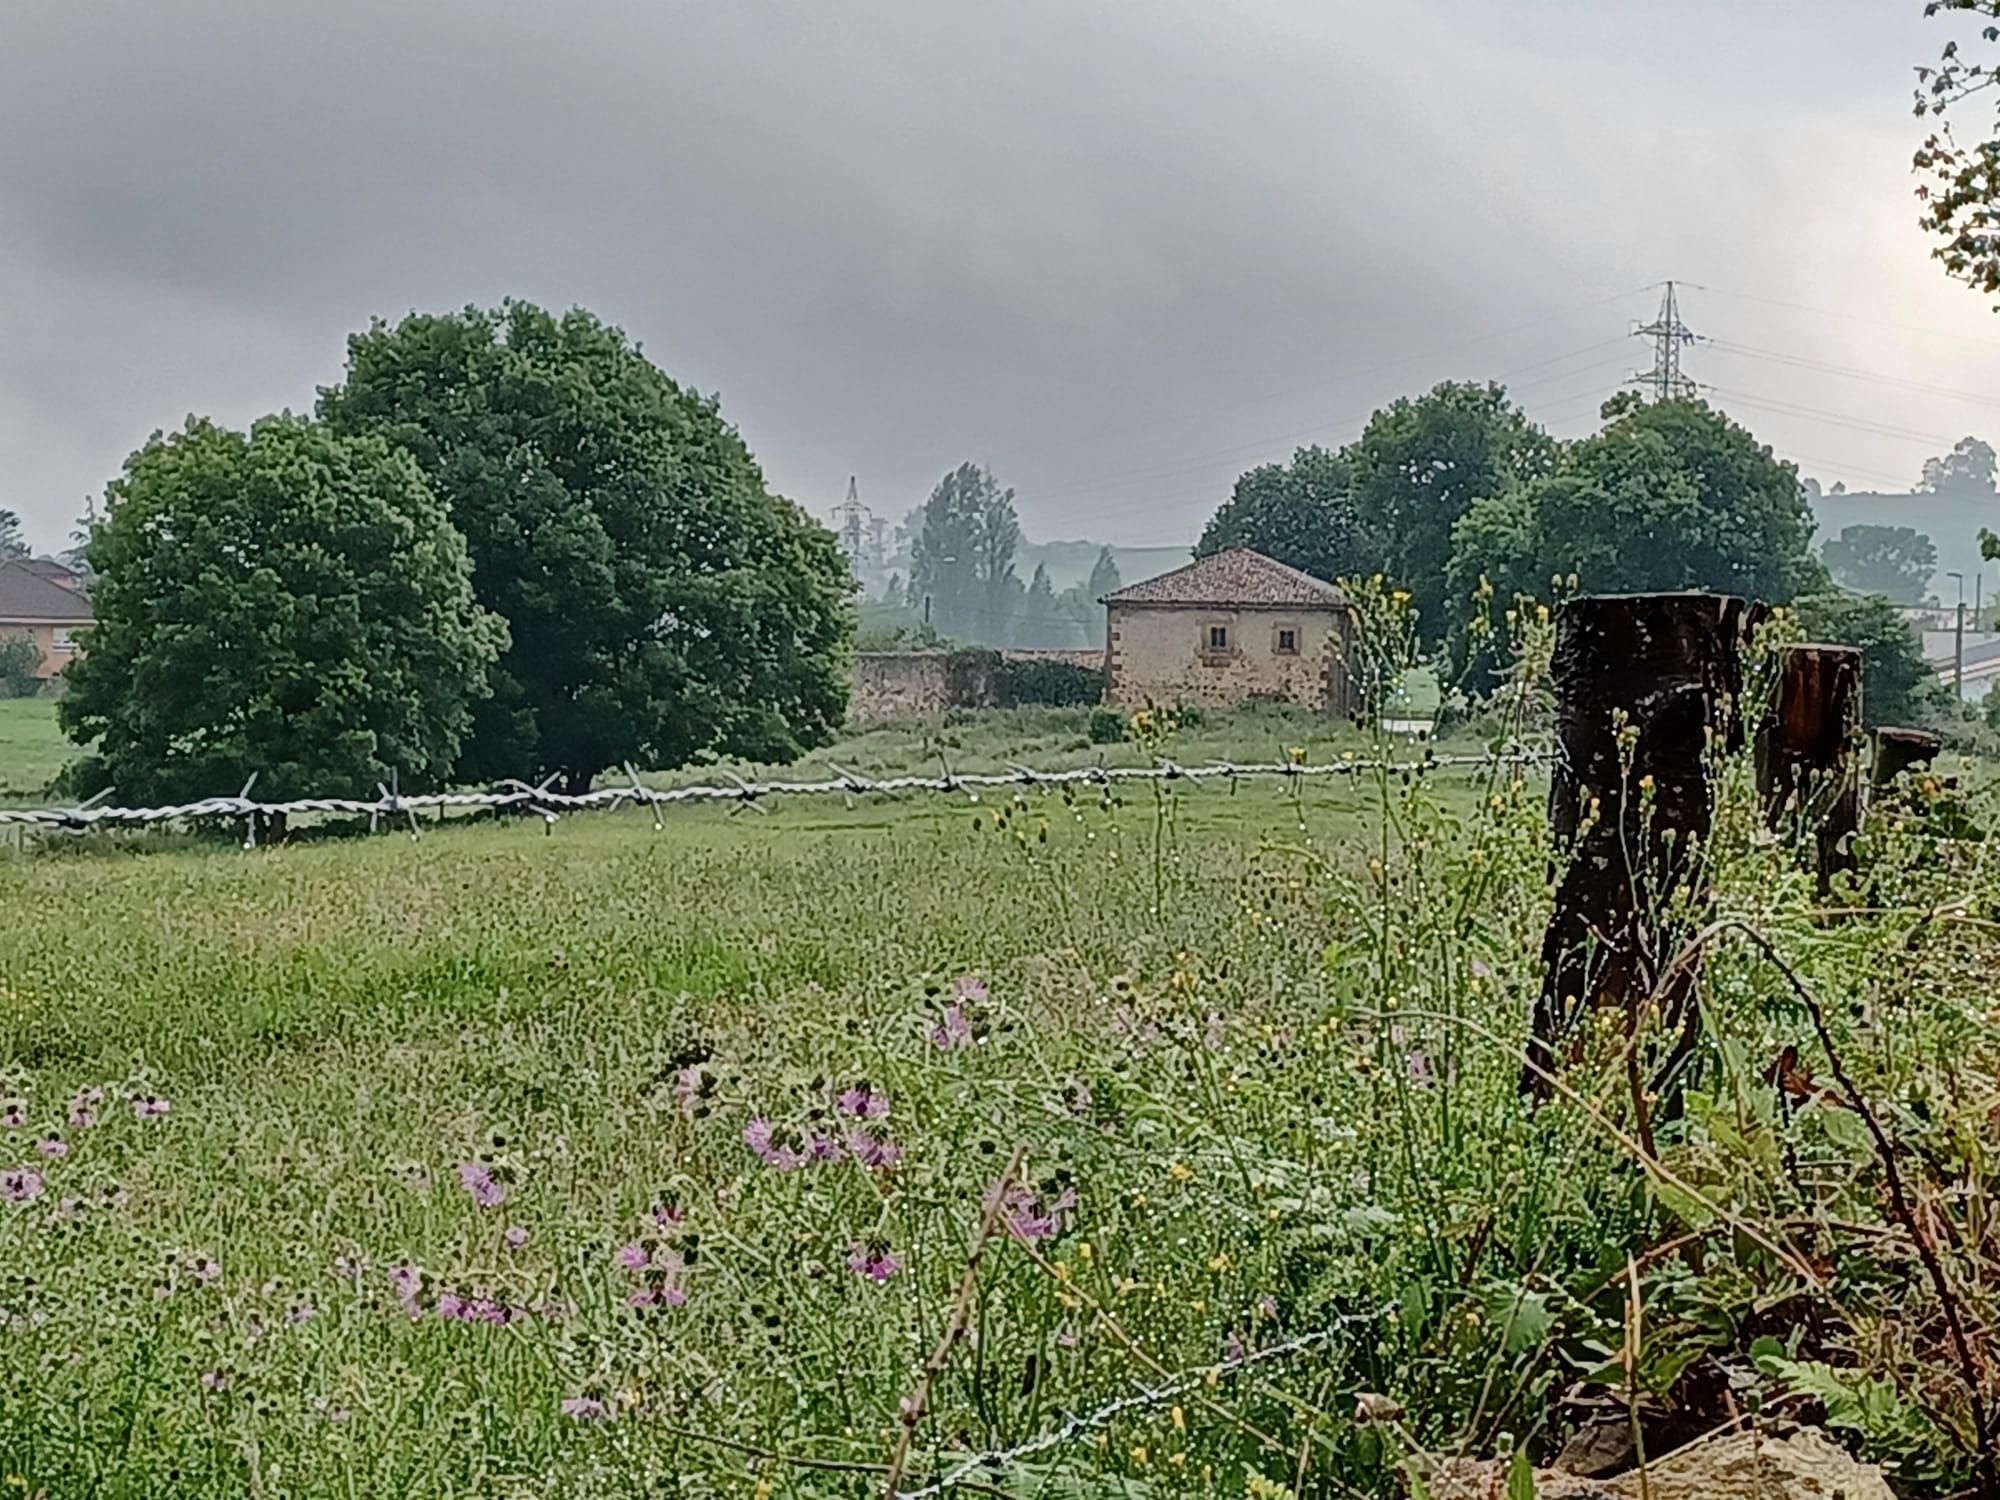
32 748
519 1162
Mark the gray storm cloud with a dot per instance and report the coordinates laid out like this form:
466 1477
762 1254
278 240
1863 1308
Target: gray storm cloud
1117 250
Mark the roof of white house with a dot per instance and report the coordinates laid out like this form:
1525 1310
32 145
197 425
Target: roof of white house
1235 579
26 595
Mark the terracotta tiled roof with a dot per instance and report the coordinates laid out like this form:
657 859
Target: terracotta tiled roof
1239 577
27 595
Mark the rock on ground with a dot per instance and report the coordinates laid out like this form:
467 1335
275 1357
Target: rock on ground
1803 1465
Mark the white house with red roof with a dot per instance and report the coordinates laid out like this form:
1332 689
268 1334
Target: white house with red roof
1237 627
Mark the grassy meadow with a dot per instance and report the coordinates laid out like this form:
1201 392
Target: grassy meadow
605 1160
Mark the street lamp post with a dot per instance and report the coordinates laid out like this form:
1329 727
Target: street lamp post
1958 640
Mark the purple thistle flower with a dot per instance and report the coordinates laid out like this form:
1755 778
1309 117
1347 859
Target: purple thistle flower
874 1261
668 1215
863 1103
515 1238
487 1190
759 1137
970 990
83 1108
13 1115
22 1185
54 1148
586 1409
633 1257
873 1150
150 1107
956 1032
449 1306
823 1147
407 1281
1026 1217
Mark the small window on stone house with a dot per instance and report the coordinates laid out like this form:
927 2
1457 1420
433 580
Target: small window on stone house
1218 637
1287 640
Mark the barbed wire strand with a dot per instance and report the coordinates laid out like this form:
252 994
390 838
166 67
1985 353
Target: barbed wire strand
549 804
1145 1396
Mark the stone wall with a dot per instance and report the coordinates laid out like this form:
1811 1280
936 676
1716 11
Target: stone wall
893 686
1160 654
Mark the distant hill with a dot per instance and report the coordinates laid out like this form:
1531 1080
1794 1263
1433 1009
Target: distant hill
1070 562
1951 522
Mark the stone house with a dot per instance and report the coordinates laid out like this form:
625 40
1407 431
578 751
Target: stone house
45 602
1238 627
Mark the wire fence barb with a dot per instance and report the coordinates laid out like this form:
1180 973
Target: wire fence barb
1138 1400
546 802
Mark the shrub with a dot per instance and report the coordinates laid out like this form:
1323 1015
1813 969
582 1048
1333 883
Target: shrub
1107 727
1023 681
20 657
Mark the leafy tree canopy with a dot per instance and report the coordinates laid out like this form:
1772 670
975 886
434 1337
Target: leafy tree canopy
20 661
1104 578
1421 464
1961 178
962 557
288 602
12 543
1894 561
1301 513
1966 472
663 603
1671 495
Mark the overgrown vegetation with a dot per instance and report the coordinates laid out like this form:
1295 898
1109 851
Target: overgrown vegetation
622 1158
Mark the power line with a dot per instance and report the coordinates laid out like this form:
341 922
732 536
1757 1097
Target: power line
1847 317
1851 372
1831 419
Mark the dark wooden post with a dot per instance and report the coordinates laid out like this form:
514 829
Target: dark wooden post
1808 771
1647 686
1900 750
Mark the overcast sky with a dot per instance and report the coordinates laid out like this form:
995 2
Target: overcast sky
1116 249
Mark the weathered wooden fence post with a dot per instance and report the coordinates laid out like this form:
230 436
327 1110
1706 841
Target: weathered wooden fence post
1647 687
1808 769
1900 750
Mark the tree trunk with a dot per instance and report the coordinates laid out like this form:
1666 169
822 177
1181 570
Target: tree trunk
1900 750
1646 685
1808 768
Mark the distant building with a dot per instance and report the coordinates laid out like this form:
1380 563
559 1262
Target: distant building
45 602
1238 627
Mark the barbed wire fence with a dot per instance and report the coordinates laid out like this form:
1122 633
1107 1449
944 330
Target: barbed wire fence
549 804
1143 1398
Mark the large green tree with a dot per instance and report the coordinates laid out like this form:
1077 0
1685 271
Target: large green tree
1669 495
962 557
1421 464
1301 513
663 603
12 543
289 602
1894 561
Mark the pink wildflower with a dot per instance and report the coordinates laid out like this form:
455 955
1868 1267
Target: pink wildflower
150 1107
874 1261
668 1215
586 1409
970 990
760 1138
407 1281
863 1103
1025 1216
83 1108
633 1257
515 1237
873 1150
54 1148
956 1032
486 1189
823 1147
22 1185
